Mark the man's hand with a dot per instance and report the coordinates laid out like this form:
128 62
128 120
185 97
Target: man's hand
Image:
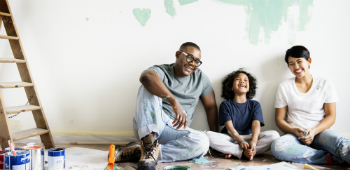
308 138
180 116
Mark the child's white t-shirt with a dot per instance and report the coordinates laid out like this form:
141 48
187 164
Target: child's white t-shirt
305 110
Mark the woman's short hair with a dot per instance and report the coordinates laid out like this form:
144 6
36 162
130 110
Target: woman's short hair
226 90
297 51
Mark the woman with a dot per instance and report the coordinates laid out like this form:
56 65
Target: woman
310 103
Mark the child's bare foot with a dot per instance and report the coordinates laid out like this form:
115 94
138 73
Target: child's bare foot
228 156
249 154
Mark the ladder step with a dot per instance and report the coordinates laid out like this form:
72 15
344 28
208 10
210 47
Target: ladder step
24 108
9 37
14 84
28 133
11 60
5 14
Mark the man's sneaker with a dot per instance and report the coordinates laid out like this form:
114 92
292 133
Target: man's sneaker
129 153
149 154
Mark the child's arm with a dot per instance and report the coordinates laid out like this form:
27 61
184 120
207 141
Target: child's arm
255 134
234 134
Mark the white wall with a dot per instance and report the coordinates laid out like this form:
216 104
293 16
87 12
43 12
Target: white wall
86 55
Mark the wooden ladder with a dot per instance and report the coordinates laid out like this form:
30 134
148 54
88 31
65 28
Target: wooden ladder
27 83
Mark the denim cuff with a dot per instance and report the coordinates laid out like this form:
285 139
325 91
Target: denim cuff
144 131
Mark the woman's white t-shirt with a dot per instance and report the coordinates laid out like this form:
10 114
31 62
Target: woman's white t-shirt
305 110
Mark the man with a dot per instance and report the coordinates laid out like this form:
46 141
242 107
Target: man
164 110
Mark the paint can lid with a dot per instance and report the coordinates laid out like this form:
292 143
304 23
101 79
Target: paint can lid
177 168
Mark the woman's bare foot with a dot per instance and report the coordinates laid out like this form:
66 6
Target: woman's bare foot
228 156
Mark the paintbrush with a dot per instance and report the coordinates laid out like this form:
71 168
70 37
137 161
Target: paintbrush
111 158
12 147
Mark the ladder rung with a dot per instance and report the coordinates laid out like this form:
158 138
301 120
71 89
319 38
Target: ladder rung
28 133
14 84
5 14
11 60
9 37
24 108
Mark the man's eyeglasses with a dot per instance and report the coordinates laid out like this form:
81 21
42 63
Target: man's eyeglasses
190 59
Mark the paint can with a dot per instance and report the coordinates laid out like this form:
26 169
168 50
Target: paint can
20 161
2 159
56 159
37 155
177 168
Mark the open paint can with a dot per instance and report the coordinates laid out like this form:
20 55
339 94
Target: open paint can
2 159
56 159
37 155
177 168
20 161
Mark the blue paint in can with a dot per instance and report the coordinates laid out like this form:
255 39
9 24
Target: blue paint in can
20 161
57 159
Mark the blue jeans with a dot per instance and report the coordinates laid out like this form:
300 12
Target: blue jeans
175 145
328 147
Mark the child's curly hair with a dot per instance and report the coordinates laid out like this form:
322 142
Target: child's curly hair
227 92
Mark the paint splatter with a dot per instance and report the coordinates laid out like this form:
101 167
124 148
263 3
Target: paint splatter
183 157
200 148
201 160
169 8
77 154
329 159
308 154
269 15
324 141
142 15
345 150
153 115
295 149
185 2
87 19
280 146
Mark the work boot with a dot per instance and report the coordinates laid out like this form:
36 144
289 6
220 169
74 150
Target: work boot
129 153
149 153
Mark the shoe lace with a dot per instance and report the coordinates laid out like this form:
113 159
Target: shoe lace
149 152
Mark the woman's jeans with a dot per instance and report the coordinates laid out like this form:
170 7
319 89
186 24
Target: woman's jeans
328 147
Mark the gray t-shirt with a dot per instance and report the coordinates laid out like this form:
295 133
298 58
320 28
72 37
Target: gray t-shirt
186 90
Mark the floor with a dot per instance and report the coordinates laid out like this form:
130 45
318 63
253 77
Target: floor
219 161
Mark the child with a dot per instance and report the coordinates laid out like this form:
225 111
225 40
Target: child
242 118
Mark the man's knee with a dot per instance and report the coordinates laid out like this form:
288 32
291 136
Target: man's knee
278 146
202 143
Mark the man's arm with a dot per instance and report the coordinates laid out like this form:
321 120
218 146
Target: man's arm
209 104
152 82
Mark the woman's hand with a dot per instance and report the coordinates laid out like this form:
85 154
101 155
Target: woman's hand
308 138
297 132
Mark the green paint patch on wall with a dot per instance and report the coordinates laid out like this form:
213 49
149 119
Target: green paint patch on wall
142 15
185 2
269 15
169 7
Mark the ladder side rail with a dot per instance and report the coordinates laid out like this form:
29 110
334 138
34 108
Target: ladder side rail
5 132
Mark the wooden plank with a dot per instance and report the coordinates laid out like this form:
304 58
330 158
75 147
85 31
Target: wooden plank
23 108
5 131
9 37
11 60
28 133
14 84
5 14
